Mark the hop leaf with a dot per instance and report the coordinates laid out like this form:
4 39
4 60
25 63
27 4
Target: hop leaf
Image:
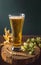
28 40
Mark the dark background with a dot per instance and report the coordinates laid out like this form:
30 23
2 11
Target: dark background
32 10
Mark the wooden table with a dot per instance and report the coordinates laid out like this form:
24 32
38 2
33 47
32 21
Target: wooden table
21 61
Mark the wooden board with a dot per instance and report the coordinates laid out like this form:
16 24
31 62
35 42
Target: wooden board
18 60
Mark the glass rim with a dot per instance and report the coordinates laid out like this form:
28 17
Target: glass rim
17 15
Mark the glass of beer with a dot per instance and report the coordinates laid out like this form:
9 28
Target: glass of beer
16 23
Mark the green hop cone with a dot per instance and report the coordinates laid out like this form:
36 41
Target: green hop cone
22 48
25 44
31 51
39 45
34 43
31 44
32 39
38 39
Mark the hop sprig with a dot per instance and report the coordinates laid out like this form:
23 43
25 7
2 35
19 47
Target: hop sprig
7 35
29 46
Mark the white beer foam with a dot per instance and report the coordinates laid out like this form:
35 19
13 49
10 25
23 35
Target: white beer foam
15 17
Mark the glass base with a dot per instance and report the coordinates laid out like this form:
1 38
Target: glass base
16 49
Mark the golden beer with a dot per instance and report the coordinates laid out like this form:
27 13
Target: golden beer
16 23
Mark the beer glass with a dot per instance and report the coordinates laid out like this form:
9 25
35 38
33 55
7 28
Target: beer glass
16 23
